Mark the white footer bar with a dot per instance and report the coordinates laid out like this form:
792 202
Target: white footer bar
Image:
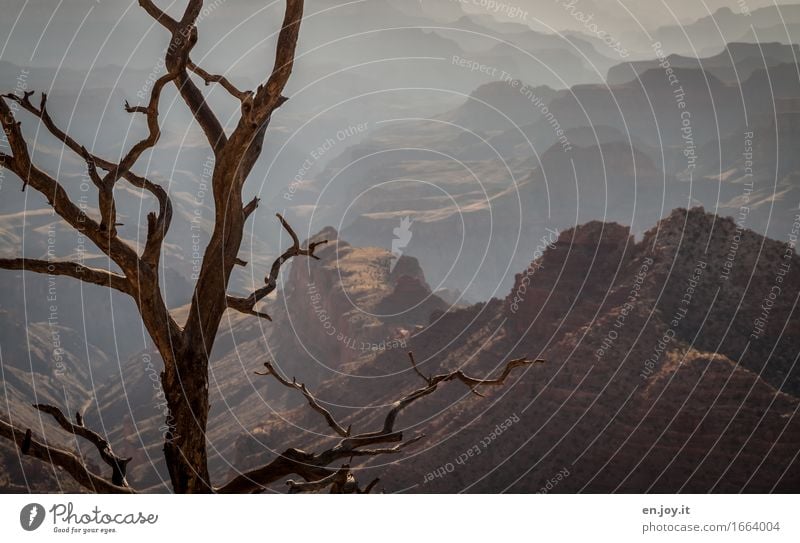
400 518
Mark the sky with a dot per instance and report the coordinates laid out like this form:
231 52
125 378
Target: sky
38 30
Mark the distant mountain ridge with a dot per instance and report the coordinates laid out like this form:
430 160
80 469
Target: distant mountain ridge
652 381
661 375
734 64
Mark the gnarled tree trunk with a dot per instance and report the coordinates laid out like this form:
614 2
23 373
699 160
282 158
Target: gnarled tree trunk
185 451
185 350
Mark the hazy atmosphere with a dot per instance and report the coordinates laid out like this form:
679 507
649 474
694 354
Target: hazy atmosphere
482 246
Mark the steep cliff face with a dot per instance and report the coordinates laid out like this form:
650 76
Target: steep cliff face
662 373
329 314
352 302
571 275
670 366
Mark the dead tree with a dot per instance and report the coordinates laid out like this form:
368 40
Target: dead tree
185 348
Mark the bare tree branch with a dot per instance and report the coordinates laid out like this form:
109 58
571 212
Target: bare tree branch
291 461
371 485
247 304
57 197
93 162
337 478
309 397
387 450
236 157
68 461
83 273
184 37
416 369
141 273
243 305
106 186
142 278
42 113
269 97
185 351
209 78
473 382
306 464
341 481
251 206
118 464
91 168
150 111
157 14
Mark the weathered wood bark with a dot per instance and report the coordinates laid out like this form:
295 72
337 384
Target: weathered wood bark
185 449
185 349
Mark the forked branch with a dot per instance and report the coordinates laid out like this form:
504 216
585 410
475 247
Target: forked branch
341 481
156 13
336 479
312 401
247 304
158 224
184 349
118 464
308 465
269 96
58 198
70 462
209 78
